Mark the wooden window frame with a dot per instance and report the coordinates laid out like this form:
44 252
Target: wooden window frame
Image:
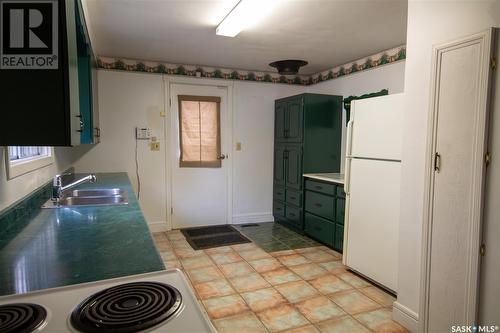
200 164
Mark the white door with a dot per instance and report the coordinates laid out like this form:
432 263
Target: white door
199 190
459 113
375 127
372 219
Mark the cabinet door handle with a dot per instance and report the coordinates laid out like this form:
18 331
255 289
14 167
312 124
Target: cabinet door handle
293 198
318 205
318 187
291 214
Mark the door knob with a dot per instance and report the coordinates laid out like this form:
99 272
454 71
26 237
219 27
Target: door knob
221 157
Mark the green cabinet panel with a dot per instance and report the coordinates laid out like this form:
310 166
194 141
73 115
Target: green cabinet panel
320 204
321 187
279 164
294 215
278 209
340 210
280 121
294 198
340 191
279 193
293 170
294 120
319 228
338 243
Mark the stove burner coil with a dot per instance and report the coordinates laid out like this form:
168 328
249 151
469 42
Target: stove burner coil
129 307
21 317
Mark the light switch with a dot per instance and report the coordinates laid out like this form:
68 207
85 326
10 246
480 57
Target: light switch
238 146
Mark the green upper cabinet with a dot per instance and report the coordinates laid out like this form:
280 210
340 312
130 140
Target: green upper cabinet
308 135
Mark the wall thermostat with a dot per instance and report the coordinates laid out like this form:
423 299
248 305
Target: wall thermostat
142 133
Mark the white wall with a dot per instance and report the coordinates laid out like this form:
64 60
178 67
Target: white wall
19 187
128 100
429 23
389 77
136 99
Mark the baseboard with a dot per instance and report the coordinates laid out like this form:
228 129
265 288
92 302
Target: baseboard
253 218
158 226
405 316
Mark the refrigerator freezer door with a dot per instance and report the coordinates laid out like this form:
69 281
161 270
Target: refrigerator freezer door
372 220
377 127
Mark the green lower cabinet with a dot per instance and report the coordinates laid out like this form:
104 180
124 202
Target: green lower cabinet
338 243
319 228
294 216
340 211
278 209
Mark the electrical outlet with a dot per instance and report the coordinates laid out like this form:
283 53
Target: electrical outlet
238 146
155 146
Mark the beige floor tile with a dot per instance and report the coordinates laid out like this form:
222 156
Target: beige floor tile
293 259
282 317
175 236
309 271
181 244
262 299
185 252
220 249
218 307
319 256
266 264
225 258
378 295
215 288
196 262
163 245
282 253
334 267
168 255
303 329
279 276
329 284
160 237
380 321
242 323
308 249
254 254
319 309
342 325
204 274
353 302
354 280
172 264
236 269
248 282
296 291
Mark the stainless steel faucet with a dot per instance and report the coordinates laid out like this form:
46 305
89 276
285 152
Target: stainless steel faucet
58 189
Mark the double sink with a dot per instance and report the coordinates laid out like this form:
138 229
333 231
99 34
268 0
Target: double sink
89 197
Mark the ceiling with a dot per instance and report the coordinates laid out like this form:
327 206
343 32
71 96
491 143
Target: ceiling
326 33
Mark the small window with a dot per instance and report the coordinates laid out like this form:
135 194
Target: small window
21 160
199 129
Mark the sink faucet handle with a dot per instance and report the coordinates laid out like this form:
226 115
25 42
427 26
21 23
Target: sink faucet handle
93 178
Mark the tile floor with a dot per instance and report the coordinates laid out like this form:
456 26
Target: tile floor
281 282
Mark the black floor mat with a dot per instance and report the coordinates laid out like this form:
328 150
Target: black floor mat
213 236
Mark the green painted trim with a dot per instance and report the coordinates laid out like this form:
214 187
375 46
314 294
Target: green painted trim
348 100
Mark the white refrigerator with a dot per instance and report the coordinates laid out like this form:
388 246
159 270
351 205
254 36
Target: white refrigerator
372 186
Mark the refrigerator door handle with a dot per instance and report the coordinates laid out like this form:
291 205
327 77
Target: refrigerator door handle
347 185
348 150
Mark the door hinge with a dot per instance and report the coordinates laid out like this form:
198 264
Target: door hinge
171 211
493 63
170 101
482 250
487 159
437 162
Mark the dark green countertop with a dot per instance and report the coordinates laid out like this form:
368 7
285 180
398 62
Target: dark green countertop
73 245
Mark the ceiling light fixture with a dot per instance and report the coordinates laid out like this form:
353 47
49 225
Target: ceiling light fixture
288 67
245 14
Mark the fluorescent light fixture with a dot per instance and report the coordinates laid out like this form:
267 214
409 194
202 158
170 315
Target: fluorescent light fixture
245 14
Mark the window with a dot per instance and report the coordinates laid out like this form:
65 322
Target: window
199 128
21 160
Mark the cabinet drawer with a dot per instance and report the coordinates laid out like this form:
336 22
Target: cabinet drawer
339 238
294 216
340 211
319 228
278 209
279 194
294 197
320 187
320 204
340 191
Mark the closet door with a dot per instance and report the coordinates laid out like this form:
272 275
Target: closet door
452 238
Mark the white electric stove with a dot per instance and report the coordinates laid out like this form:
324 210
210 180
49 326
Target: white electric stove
152 302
